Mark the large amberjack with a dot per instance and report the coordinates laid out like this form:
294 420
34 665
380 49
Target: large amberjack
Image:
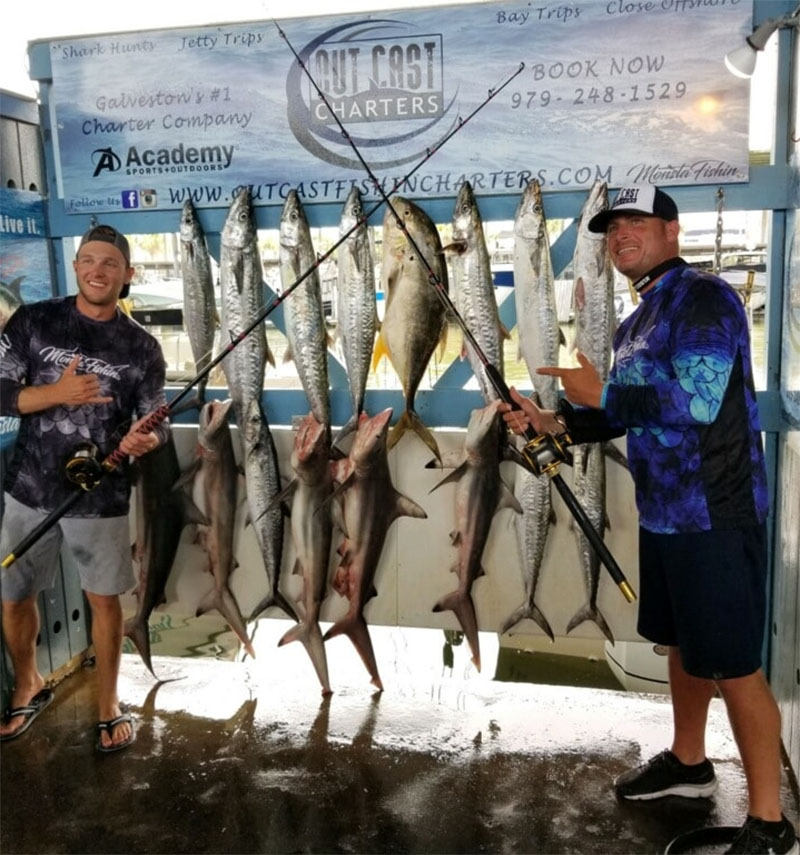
414 321
480 493
371 505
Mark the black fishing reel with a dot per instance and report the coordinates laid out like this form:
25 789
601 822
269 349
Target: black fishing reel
84 467
546 452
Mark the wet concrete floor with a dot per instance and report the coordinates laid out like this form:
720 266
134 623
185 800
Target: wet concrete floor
245 757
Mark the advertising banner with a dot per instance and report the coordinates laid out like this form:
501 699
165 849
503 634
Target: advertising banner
24 266
629 91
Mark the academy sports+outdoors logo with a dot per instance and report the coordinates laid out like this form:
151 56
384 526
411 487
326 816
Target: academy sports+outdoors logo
160 161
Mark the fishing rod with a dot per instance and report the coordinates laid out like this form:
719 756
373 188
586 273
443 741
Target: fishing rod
85 470
542 453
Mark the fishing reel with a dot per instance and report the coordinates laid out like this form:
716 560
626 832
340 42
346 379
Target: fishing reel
84 467
546 452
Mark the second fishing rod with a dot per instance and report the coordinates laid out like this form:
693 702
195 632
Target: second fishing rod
542 453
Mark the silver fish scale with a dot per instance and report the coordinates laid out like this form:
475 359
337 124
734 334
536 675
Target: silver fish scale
200 312
589 487
303 311
262 480
534 294
594 286
356 310
532 525
242 301
414 317
474 290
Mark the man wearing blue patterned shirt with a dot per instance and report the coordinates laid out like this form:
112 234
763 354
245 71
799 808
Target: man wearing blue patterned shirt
75 370
681 387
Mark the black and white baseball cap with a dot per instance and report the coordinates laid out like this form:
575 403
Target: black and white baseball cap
108 234
644 199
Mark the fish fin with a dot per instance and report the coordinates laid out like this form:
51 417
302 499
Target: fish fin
411 421
350 426
591 613
562 339
187 476
449 460
507 499
504 333
287 355
277 600
442 343
455 539
380 350
270 356
308 633
460 603
283 497
531 611
405 507
355 628
457 247
454 476
613 453
373 592
191 513
139 634
224 602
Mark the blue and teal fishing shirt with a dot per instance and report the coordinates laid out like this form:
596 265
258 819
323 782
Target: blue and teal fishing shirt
682 387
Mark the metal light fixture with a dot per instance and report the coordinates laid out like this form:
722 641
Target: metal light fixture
742 60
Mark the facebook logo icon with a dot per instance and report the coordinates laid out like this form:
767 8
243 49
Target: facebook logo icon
130 199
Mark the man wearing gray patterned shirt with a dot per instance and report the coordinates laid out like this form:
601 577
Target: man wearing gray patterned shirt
75 370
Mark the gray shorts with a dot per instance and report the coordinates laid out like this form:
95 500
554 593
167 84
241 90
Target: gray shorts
100 546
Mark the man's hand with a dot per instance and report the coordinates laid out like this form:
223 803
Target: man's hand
542 421
70 390
582 386
136 444
75 389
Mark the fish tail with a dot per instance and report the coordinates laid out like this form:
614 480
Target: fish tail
355 628
223 601
139 634
310 635
592 613
531 611
411 421
279 601
461 604
380 350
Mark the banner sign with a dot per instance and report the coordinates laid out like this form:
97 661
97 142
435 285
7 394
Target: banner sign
24 266
629 91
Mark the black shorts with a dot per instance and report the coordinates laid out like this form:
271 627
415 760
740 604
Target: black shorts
705 593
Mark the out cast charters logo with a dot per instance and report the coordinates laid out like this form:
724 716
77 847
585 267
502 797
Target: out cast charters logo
368 81
375 76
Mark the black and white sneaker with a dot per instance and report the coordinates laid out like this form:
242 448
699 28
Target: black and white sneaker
665 775
757 837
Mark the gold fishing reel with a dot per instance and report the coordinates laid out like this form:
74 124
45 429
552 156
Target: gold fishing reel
546 452
84 468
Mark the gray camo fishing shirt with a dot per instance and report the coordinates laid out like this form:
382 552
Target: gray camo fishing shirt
38 343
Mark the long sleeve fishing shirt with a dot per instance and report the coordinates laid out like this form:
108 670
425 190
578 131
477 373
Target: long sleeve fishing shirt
682 387
38 343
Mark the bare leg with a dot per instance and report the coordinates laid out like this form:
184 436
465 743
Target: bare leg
20 628
690 699
756 724
107 634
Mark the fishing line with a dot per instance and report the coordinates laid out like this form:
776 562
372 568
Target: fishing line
162 413
543 453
